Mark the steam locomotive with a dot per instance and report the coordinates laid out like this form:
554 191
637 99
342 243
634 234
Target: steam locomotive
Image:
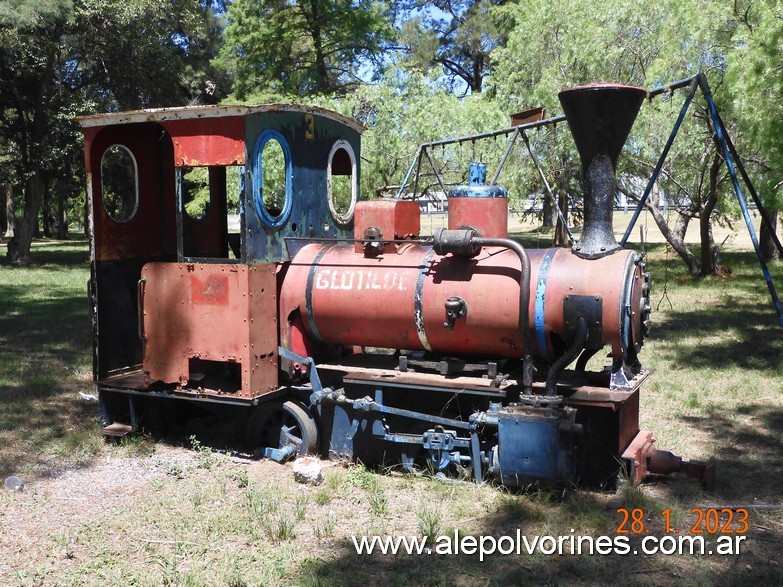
326 324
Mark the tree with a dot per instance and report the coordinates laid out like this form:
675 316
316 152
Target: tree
755 80
302 47
59 58
406 109
457 36
637 43
28 67
693 185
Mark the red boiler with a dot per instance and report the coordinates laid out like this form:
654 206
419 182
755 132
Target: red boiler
402 300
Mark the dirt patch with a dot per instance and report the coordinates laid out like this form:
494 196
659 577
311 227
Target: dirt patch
59 497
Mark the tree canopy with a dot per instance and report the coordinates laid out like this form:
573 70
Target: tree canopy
303 46
413 71
457 36
59 58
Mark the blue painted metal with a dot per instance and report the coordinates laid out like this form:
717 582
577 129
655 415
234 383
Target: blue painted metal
368 405
477 173
720 133
312 371
475 456
478 191
538 321
346 417
309 138
627 310
416 158
532 446
280 455
752 190
441 445
661 160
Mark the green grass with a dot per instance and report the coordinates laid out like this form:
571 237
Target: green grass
717 351
718 355
45 357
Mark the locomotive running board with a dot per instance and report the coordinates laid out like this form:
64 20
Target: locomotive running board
376 373
576 387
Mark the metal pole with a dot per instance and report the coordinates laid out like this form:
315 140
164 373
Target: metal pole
720 133
410 171
671 87
548 189
504 131
505 156
661 159
435 171
459 140
418 170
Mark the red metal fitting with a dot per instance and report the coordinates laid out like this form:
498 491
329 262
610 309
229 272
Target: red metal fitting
643 460
664 462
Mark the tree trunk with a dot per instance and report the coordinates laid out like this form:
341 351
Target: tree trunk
10 211
47 212
675 237
548 211
709 253
4 212
767 243
477 73
321 71
19 246
61 223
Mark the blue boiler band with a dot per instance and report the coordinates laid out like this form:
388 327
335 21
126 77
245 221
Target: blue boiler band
543 275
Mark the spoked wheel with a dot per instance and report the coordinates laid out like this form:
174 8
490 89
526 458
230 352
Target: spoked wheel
286 425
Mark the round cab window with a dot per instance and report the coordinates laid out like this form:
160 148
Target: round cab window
119 183
272 183
341 182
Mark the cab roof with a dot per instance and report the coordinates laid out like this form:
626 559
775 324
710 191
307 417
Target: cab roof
209 111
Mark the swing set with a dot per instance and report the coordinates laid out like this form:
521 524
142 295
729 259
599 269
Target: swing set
721 136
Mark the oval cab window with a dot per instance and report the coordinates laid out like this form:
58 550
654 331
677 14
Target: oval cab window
272 189
341 182
119 183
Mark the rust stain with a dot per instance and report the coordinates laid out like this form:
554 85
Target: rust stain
213 290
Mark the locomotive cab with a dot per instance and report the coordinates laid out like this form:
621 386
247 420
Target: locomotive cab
192 210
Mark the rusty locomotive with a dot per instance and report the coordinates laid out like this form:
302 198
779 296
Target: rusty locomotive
327 324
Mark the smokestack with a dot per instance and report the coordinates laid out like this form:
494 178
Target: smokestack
600 117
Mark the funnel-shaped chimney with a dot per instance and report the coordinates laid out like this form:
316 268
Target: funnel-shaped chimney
600 117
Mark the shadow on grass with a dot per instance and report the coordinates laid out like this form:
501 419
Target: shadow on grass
72 252
33 328
729 335
749 459
45 354
718 322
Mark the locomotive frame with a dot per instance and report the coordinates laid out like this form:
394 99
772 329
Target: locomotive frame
272 323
